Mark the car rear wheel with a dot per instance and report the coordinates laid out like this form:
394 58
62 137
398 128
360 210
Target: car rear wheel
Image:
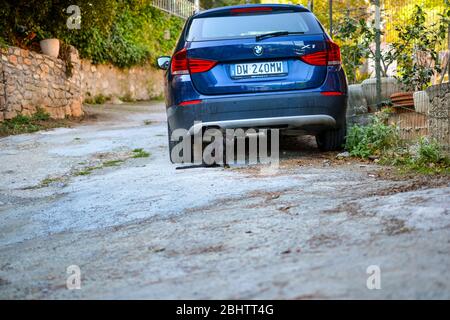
171 143
331 140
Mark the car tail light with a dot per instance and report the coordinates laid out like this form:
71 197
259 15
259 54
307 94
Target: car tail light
331 93
251 10
317 58
334 54
330 57
200 65
189 102
181 64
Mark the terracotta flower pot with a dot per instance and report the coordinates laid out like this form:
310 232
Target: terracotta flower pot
50 47
403 101
389 86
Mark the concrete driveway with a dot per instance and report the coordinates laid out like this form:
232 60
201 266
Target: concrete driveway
139 228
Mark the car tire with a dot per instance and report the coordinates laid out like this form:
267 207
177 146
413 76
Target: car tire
170 143
332 140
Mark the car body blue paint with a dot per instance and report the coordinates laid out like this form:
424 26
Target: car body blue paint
224 98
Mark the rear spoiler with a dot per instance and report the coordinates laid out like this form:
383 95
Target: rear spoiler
250 9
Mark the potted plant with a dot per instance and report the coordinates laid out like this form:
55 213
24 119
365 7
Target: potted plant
417 57
48 44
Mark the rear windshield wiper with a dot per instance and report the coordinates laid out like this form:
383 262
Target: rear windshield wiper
276 34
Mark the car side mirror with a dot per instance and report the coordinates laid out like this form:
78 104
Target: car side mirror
163 62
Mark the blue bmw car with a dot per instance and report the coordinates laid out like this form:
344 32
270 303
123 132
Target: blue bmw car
257 66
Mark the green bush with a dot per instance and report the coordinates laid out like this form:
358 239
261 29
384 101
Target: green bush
383 141
371 140
417 36
26 124
2 42
425 156
121 32
98 99
429 152
40 115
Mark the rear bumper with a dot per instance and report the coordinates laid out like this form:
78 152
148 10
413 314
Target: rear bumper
288 122
306 110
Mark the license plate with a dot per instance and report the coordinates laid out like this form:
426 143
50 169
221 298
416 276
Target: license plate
258 69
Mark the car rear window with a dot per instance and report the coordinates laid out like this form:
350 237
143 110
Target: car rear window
242 26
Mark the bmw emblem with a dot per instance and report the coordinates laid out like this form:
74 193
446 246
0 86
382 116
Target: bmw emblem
258 50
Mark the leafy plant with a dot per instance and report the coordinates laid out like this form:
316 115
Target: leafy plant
27 124
383 141
371 140
356 38
353 51
140 153
135 37
428 151
41 34
121 32
127 98
425 156
387 56
40 115
3 43
416 48
98 99
112 163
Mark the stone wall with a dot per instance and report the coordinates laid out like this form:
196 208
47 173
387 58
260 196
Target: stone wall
439 114
136 83
29 80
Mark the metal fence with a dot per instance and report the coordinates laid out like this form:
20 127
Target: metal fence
179 8
432 119
432 8
431 112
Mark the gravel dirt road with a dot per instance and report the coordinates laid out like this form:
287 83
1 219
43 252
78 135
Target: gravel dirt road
139 228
